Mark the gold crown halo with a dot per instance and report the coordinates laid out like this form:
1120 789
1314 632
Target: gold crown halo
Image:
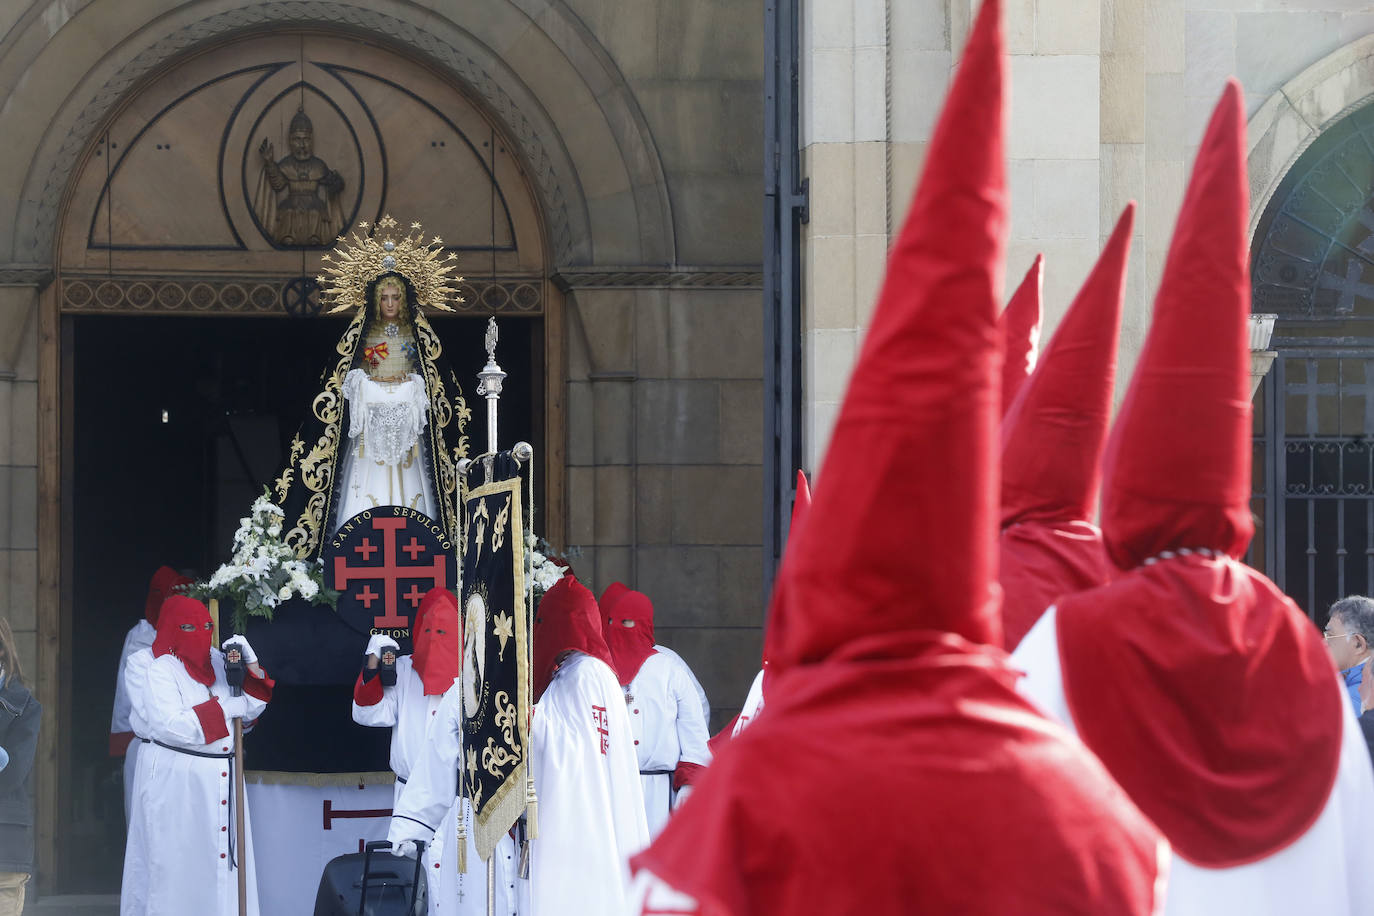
351 268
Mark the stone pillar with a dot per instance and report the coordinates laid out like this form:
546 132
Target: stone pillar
664 462
19 468
847 155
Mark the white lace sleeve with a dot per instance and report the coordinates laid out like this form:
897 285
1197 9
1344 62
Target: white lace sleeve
352 382
419 402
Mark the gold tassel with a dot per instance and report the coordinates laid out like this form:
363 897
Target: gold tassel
463 843
531 810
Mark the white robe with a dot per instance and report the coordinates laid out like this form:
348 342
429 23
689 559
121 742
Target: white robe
427 799
178 858
140 636
696 684
1327 870
668 727
411 716
753 705
591 810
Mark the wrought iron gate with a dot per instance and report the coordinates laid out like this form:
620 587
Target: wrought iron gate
1314 475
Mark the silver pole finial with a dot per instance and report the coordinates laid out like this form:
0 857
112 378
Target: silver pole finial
489 383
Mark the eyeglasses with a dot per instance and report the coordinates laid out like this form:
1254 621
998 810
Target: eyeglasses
1336 635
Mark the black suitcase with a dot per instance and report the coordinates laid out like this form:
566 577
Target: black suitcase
372 883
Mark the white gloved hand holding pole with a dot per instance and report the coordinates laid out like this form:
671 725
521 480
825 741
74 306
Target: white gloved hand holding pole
249 656
381 642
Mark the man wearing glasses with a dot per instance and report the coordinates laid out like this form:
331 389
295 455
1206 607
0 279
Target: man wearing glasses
1350 637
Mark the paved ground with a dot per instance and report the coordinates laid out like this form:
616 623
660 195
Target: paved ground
95 905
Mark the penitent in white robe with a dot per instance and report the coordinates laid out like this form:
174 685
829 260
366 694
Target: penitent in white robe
140 636
181 837
1327 870
424 809
591 810
384 464
668 727
411 716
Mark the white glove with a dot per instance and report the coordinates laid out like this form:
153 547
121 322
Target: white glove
681 796
249 656
379 643
234 707
404 849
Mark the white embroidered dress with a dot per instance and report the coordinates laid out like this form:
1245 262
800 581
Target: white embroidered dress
385 464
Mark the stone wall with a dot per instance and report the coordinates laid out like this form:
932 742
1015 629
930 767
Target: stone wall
1108 102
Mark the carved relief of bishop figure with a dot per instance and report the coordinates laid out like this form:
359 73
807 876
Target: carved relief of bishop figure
298 198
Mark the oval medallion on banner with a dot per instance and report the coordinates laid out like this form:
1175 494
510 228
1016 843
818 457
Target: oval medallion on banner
382 561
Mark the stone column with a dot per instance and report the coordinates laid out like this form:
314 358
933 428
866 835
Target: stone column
19 468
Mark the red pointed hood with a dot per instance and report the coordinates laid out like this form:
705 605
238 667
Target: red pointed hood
163 585
567 618
1205 691
1052 439
191 646
609 597
1177 466
629 631
777 612
885 585
1020 327
929 367
438 640
1052 436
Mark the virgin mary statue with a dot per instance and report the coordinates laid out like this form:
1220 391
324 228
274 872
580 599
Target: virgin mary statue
387 428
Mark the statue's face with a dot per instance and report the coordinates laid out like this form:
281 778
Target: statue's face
389 301
302 144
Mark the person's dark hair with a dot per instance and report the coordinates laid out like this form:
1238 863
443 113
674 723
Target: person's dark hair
1357 613
14 669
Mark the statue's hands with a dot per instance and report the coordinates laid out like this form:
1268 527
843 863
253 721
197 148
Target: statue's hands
267 151
333 181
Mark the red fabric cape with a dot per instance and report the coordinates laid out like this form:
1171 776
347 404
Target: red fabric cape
1039 563
567 618
632 646
438 658
1212 701
191 648
889 772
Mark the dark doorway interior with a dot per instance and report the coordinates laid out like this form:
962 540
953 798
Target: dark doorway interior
151 488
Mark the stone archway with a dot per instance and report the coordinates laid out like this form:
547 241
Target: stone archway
1292 118
574 131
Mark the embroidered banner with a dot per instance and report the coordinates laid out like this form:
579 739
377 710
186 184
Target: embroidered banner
495 649
382 561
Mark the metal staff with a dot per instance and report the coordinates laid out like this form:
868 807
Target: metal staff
489 386
234 672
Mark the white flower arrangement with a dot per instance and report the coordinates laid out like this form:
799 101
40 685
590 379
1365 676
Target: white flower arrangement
263 572
544 572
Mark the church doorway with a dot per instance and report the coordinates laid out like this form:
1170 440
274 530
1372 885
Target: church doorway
176 425
190 338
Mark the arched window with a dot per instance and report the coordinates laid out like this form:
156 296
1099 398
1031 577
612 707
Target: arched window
1313 265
